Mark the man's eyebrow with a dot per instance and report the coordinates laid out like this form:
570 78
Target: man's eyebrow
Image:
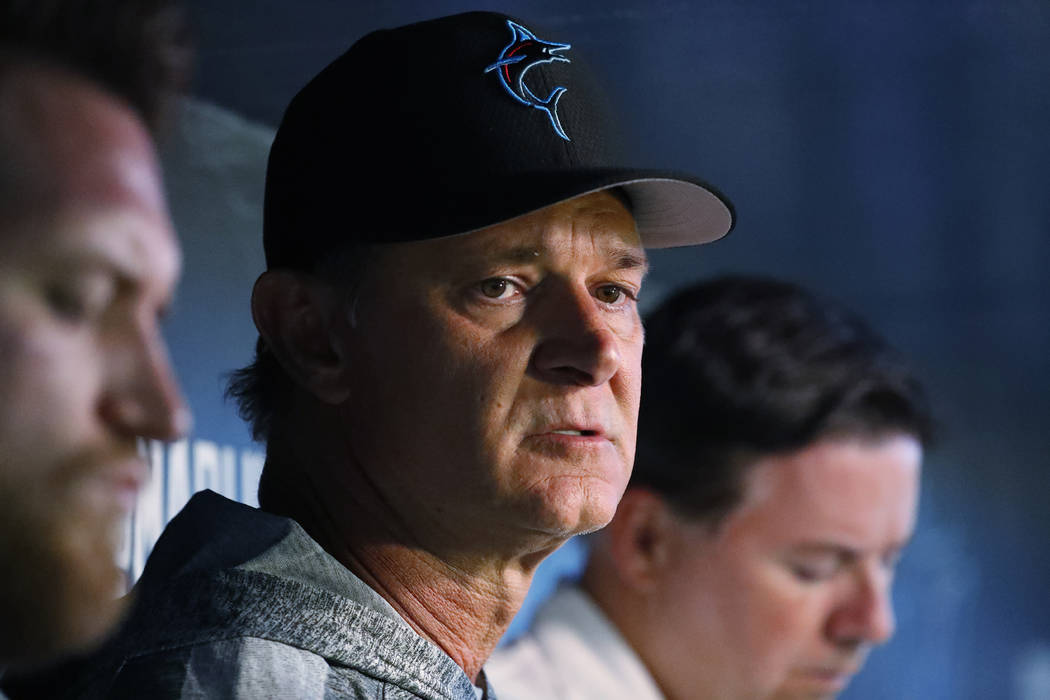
840 551
629 259
520 254
622 258
844 552
86 258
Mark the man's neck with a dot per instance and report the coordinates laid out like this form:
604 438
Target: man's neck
461 601
464 613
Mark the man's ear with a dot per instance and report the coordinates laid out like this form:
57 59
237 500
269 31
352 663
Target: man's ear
641 539
296 316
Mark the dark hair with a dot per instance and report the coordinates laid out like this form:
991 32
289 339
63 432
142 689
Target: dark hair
135 49
262 389
739 368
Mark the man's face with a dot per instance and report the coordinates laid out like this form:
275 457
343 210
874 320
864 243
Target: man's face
89 262
787 597
497 375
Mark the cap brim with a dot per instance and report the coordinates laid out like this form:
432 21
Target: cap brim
677 212
670 209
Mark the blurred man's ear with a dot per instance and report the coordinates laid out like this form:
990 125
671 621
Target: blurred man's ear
296 316
641 539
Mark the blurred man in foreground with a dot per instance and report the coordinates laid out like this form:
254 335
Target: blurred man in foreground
447 378
89 261
775 486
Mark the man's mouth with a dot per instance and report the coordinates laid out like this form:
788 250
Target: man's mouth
834 678
579 433
120 481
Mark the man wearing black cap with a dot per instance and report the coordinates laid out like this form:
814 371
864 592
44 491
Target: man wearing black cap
447 376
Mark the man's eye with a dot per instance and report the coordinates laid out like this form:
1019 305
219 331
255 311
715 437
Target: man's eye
80 300
611 294
813 572
67 303
497 288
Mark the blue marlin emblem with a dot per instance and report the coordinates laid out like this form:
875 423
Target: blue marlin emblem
522 53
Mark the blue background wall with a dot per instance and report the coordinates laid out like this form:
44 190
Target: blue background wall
893 154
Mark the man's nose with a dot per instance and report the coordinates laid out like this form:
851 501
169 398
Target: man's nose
866 614
576 345
142 398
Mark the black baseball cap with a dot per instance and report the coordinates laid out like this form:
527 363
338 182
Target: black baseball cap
451 125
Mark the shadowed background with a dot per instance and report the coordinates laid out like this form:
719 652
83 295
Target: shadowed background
895 155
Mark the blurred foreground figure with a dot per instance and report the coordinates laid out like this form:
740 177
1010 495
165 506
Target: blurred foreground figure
775 486
88 263
447 378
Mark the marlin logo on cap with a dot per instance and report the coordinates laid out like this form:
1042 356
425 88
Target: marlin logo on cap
522 53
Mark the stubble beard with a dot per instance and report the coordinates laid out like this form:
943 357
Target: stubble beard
60 590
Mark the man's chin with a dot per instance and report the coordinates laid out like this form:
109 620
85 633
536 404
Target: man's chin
594 519
572 510
814 685
72 626
60 595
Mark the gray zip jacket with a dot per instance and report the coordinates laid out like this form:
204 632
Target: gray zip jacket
237 603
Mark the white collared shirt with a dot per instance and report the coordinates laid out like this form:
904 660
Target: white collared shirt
571 652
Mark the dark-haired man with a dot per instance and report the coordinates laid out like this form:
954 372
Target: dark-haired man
775 486
447 377
89 263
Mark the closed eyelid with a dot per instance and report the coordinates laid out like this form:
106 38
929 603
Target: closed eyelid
821 556
824 559
89 289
